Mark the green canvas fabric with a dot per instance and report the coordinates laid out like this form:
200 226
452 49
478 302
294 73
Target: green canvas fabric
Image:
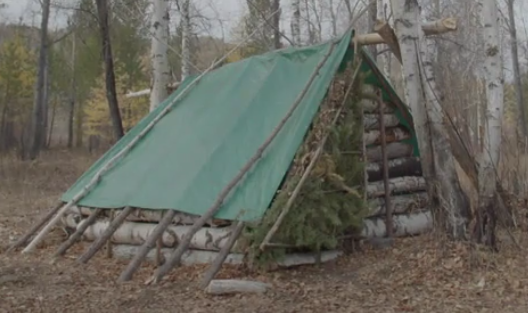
195 150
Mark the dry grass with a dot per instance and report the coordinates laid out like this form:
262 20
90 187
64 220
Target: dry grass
417 275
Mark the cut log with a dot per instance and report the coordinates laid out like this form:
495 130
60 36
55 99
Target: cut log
231 286
154 216
397 168
406 184
371 121
393 134
137 233
395 150
404 225
370 106
296 259
430 28
400 204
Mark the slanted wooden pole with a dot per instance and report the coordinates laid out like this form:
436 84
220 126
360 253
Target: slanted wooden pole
22 241
308 170
175 257
430 28
222 255
134 264
99 243
78 233
383 29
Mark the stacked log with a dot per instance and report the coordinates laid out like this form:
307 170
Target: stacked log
406 185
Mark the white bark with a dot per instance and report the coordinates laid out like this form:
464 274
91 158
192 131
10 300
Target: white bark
137 233
403 225
393 134
435 150
186 39
371 121
295 23
383 58
231 286
397 185
401 204
489 157
159 59
154 216
394 150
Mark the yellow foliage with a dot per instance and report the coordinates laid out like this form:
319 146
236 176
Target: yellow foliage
97 114
17 78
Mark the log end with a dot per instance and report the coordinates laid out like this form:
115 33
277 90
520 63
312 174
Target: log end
231 286
450 23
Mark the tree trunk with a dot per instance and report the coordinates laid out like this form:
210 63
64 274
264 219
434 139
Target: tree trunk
395 150
383 57
371 121
186 40
276 24
405 184
71 109
159 60
491 140
438 165
392 134
372 16
400 204
37 135
397 168
404 225
111 94
296 22
516 69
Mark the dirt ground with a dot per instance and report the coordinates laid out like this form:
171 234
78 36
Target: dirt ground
416 275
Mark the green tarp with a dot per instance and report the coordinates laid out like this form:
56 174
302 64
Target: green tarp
195 150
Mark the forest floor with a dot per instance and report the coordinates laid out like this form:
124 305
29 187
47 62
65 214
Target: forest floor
420 274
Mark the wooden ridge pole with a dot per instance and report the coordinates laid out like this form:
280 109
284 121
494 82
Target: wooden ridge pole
308 169
22 241
222 255
175 257
109 231
134 264
98 176
78 233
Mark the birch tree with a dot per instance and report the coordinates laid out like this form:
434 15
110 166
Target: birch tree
159 60
516 68
435 151
296 21
488 159
186 39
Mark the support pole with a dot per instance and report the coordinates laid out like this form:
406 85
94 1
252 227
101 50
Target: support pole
222 255
307 171
78 233
134 264
99 243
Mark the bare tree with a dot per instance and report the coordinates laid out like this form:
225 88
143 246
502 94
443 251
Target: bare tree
160 63
38 127
186 39
516 68
296 21
111 94
429 120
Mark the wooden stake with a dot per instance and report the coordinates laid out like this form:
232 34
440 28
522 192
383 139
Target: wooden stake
385 164
112 227
22 241
222 255
175 257
134 264
78 233
109 242
307 171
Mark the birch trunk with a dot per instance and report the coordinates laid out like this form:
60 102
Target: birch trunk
400 204
516 69
395 150
403 225
296 22
231 286
397 185
383 57
159 60
137 233
393 134
371 121
435 150
186 39
491 140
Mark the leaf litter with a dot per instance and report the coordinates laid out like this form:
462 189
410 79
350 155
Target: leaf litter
421 274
